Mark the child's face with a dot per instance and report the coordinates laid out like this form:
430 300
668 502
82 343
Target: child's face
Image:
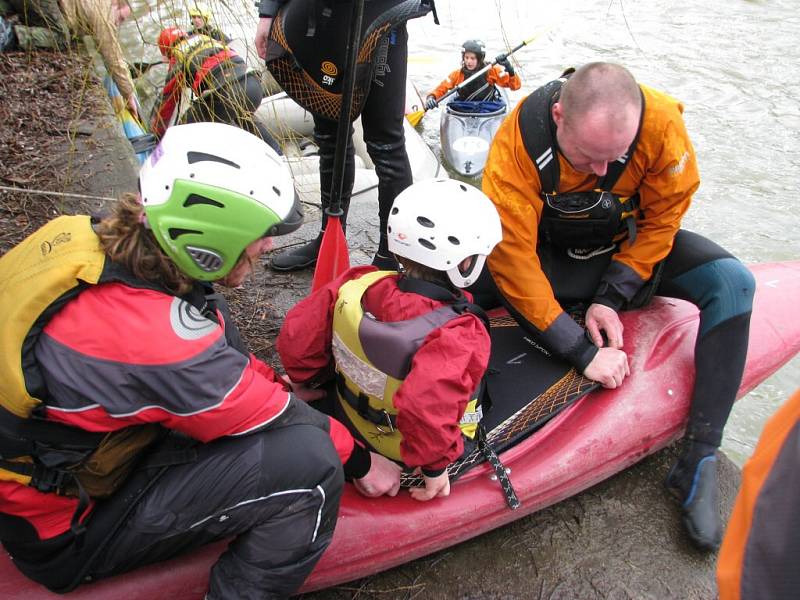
198 22
470 60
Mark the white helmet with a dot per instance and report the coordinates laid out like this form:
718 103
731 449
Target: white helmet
439 223
209 190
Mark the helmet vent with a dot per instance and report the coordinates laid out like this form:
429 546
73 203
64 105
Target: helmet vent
426 244
176 232
195 157
426 222
193 199
453 240
276 190
207 260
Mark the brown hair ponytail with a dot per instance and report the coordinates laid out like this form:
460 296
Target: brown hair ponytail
129 243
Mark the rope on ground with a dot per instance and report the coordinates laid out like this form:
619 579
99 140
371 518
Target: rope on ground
6 188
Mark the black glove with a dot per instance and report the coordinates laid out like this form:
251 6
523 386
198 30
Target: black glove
506 64
430 102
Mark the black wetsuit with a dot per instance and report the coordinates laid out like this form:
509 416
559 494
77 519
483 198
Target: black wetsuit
382 121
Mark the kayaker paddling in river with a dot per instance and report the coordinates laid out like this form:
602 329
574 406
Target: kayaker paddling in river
134 423
591 175
406 352
473 54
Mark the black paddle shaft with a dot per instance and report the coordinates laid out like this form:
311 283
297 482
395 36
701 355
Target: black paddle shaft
343 130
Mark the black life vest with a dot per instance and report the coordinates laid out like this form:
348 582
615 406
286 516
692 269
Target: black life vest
479 88
306 50
579 220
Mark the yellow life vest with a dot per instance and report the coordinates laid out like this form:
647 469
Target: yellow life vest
372 359
37 277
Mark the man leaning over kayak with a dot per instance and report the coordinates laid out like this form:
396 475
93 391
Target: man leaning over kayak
592 175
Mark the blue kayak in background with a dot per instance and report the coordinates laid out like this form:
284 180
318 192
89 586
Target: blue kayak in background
143 143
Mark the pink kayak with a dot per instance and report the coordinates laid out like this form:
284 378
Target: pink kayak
601 434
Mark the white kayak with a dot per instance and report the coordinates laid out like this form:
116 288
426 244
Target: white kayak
466 130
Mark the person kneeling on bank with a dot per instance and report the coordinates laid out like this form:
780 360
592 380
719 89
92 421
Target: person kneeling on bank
134 423
406 352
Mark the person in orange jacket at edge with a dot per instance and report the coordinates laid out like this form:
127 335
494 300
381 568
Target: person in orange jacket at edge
759 554
408 343
591 175
134 423
473 53
223 88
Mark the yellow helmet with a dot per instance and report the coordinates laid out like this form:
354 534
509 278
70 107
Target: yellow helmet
198 12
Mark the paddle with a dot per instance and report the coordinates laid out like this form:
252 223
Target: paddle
415 117
333 258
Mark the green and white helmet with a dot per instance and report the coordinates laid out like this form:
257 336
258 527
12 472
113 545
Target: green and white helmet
209 190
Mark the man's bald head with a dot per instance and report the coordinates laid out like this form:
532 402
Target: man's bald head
597 115
601 88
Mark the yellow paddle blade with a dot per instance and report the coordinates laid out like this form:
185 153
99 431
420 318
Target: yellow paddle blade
415 117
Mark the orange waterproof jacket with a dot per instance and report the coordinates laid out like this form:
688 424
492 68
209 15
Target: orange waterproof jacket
494 76
662 170
758 558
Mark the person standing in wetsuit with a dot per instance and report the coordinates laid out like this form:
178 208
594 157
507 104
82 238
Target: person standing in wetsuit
615 153
381 117
473 53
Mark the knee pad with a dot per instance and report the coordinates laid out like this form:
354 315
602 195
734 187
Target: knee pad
721 289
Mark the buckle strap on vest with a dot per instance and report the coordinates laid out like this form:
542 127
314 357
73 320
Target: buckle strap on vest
360 403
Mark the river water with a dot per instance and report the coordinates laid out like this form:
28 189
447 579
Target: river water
732 62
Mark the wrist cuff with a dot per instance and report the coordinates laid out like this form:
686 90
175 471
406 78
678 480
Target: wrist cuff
433 472
359 463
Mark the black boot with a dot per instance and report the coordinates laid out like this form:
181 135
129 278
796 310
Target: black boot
383 259
300 257
693 481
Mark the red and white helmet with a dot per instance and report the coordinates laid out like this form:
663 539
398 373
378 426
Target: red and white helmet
169 37
439 223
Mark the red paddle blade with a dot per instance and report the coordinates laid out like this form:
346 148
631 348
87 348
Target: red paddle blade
333 259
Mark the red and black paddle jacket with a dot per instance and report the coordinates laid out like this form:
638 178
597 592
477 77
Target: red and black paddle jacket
201 63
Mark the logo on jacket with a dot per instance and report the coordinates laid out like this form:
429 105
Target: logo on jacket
62 238
187 322
329 72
